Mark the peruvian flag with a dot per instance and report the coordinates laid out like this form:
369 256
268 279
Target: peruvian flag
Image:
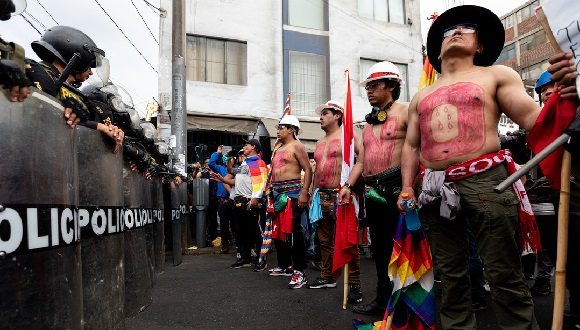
346 239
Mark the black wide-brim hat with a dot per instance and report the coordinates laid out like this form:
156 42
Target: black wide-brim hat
490 33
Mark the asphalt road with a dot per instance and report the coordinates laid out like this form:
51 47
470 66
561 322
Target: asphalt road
204 293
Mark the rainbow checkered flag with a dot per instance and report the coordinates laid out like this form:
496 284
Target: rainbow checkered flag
412 303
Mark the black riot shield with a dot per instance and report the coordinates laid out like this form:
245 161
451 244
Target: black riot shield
40 254
149 229
102 244
137 264
200 199
185 215
158 230
176 249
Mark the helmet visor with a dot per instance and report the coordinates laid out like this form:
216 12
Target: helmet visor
102 68
19 7
121 93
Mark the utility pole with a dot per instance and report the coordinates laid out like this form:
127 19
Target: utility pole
179 109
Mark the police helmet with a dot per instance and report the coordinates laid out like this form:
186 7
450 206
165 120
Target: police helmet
62 42
544 79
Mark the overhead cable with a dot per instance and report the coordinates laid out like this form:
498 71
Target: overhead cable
126 37
147 26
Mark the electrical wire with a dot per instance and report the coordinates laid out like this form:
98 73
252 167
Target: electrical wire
47 12
158 10
35 19
126 37
147 26
29 22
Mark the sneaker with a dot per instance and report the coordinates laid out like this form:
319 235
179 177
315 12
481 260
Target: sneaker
354 294
298 280
320 283
240 264
261 266
282 272
541 289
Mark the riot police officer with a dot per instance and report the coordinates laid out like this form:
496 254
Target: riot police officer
59 46
12 75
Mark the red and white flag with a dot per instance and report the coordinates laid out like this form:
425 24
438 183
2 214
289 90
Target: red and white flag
346 231
347 134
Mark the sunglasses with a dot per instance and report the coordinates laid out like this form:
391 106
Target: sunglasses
281 127
464 28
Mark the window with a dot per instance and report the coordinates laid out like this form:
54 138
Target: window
216 60
508 22
383 10
507 53
527 11
306 13
532 41
365 65
308 82
532 73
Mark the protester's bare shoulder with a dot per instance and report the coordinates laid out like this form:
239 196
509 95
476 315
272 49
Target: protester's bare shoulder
503 74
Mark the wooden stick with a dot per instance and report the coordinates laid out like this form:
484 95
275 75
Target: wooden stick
345 289
562 248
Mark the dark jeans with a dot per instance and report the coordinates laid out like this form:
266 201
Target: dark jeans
292 253
212 224
224 211
382 220
475 272
246 227
494 222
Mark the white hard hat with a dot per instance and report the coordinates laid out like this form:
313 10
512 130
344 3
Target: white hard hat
329 105
290 120
382 70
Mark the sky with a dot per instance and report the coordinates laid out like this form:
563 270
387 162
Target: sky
134 58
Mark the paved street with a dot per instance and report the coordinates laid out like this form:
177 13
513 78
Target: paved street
203 293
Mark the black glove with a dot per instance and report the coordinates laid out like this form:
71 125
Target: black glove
78 108
11 75
574 131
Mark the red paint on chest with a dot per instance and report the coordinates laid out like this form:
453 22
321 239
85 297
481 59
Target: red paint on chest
378 151
452 121
328 164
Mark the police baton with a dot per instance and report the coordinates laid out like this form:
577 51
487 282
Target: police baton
532 163
69 66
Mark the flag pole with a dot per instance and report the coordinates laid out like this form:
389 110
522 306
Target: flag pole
562 247
345 289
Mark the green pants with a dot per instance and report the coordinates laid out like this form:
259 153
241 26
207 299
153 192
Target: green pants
494 221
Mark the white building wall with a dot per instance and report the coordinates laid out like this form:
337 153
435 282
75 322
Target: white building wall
353 37
257 22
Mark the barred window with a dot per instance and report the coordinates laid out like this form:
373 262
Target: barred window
308 82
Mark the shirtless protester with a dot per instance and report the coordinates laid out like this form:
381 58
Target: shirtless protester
379 164
452 132
328 156
289 197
